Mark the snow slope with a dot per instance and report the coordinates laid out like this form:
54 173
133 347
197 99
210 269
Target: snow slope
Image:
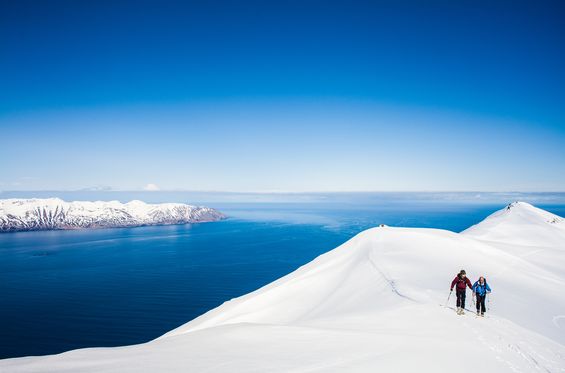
54 213
376 303
522 224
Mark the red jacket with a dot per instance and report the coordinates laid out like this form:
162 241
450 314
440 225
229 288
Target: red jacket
461 284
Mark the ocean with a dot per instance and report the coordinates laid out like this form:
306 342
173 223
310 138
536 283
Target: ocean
62 290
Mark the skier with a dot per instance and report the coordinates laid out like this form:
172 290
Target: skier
480 289
462 282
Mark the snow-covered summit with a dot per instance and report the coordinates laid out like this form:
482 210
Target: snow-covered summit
525 213
375 303
521 223
54 213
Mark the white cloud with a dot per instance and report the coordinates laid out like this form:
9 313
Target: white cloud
151 187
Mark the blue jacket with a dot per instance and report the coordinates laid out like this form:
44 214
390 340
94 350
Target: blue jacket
481 289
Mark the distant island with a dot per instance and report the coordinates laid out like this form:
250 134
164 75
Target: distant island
56 214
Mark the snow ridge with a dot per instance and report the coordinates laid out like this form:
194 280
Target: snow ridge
54 213
522 224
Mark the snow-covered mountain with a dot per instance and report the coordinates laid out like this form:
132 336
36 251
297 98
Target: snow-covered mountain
377 303
520 223
54 213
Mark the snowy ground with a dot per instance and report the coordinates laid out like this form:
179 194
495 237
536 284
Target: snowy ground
376 303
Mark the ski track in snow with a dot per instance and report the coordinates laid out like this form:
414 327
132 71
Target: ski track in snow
505 343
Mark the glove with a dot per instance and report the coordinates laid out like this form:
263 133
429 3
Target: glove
450 289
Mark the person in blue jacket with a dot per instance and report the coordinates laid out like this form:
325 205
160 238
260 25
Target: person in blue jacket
480 289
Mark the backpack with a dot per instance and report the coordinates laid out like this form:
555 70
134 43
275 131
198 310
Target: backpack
484 286
460 280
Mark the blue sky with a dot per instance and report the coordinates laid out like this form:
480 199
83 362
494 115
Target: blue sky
282 96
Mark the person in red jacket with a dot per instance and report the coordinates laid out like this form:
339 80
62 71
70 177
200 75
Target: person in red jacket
461 282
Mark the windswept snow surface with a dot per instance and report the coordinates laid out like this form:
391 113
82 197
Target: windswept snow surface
376 304
54 213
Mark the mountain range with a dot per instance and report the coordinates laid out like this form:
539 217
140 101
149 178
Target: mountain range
54 213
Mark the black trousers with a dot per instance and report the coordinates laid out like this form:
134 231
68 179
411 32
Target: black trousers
461 298
481 303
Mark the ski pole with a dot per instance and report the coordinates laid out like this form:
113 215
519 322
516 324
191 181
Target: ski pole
447 301
488 302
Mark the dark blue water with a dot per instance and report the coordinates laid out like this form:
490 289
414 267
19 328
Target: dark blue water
63 290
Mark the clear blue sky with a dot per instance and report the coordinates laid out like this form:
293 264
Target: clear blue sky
282 95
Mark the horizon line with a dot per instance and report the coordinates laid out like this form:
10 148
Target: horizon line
273 191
